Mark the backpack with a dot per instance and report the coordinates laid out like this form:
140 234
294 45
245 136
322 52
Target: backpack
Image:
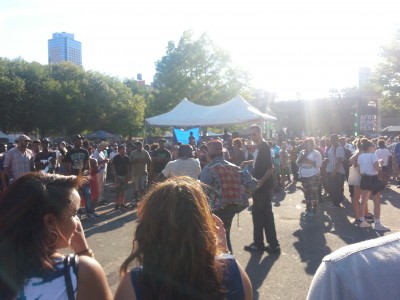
347 155
230 185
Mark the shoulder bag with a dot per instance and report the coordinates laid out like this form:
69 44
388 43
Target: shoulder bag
70 261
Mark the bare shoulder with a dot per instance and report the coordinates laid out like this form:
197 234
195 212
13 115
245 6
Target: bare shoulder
248 289
125 289
92 281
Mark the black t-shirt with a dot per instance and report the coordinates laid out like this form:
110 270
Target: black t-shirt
78 159
263 163
43 156
121 165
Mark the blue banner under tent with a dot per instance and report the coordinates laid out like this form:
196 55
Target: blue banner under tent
181 135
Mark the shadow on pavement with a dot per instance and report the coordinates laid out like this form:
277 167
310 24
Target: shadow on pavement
311 244
392 197
344 228
258 268
108 221
278 198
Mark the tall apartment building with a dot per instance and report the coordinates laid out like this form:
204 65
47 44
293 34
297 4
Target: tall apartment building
63 47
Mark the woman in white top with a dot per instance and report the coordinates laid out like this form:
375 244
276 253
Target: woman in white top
309 162
370 183
38 216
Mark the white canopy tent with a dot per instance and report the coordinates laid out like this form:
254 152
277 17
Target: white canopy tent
188 114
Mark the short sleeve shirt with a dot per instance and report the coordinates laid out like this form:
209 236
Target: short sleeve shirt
139 168
334 154
121 164
19 163
78 159
262 163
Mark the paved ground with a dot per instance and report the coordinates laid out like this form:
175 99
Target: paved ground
304 241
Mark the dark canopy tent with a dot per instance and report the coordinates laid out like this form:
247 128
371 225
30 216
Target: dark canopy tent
101 134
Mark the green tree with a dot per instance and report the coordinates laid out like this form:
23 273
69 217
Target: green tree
198 70
387 77
11 90
68 98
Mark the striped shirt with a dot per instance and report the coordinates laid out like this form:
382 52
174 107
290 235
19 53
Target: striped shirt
333 155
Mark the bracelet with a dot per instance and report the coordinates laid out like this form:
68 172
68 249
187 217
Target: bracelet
87 252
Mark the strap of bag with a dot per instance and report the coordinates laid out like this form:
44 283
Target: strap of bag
135 279
70 261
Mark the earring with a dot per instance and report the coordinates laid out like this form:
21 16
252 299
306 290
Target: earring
53 237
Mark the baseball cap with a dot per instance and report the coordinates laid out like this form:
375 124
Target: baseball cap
23 137
77 137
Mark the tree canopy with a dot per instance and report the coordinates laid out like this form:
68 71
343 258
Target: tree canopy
198 70
388 77
62 99
65 99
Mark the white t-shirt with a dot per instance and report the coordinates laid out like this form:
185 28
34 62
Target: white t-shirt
183 167
383 154
366 163
307 169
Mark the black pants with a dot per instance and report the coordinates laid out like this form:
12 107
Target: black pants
336 187
226 214
263 218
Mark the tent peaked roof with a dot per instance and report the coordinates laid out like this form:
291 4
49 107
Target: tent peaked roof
187 113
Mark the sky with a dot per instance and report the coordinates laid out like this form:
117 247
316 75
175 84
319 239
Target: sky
297 49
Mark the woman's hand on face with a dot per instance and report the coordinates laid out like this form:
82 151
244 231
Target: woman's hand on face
221 234
78 240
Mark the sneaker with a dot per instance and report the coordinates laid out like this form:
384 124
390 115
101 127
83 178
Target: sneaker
369 218
273 249
357 222
116 207
91 217
123 206
380 227
253 247
364 224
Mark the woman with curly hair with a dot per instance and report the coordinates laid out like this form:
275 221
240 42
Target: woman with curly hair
38 216
178 249
309 162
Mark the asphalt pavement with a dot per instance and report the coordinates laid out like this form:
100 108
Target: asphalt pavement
304 240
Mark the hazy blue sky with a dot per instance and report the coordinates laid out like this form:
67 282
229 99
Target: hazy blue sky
289 46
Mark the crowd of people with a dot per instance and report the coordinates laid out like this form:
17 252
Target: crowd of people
187 196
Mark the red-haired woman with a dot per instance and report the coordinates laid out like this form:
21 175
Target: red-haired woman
178 249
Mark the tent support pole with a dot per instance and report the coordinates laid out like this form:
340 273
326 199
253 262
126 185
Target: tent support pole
145 136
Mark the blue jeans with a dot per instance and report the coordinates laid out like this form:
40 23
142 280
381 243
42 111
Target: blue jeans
88 198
